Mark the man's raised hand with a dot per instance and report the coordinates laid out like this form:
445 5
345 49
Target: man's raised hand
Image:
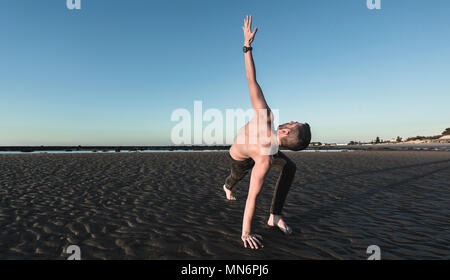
248 34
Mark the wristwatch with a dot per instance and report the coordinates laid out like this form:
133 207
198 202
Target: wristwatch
246 49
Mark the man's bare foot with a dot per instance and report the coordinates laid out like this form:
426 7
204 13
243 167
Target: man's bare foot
229 193
277 220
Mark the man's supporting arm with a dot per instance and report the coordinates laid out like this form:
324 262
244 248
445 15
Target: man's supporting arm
259 171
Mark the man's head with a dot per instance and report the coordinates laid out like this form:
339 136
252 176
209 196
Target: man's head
294 136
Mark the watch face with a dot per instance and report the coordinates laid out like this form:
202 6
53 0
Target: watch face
245 49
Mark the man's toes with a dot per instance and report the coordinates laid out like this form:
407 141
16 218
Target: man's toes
230 196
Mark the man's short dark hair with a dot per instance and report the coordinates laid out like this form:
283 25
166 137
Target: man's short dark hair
298 138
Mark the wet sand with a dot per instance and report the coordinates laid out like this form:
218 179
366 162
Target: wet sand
172 206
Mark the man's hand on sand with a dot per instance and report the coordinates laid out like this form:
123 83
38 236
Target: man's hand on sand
252 240
248 34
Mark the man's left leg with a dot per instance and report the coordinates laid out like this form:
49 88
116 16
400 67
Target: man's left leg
287 170
238 171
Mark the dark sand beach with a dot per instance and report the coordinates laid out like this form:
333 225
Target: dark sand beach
172 206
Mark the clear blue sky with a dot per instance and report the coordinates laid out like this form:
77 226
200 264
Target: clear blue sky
113 72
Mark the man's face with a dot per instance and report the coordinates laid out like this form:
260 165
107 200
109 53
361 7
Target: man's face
289 125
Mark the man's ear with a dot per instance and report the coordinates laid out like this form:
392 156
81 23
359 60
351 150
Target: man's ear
284 132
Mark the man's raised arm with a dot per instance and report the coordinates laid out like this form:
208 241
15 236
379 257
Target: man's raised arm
256 94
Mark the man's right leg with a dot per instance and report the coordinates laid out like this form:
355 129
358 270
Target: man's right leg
238 171
287 172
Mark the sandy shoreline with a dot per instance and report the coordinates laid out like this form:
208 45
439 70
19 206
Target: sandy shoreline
407 146
171 206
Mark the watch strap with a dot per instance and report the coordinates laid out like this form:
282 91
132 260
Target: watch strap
246 49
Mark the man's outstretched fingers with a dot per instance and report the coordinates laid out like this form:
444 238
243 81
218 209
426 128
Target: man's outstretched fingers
255 246
254 32
259 236
259 242
249 240
256 242
253 240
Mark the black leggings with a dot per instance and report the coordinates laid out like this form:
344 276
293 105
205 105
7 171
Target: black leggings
280 162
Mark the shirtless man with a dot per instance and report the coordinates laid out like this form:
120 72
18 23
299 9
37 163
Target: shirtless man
256 147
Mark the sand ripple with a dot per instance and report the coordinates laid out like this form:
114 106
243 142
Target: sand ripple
171 206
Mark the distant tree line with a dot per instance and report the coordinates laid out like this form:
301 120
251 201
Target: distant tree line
400 139
446 131
424 138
